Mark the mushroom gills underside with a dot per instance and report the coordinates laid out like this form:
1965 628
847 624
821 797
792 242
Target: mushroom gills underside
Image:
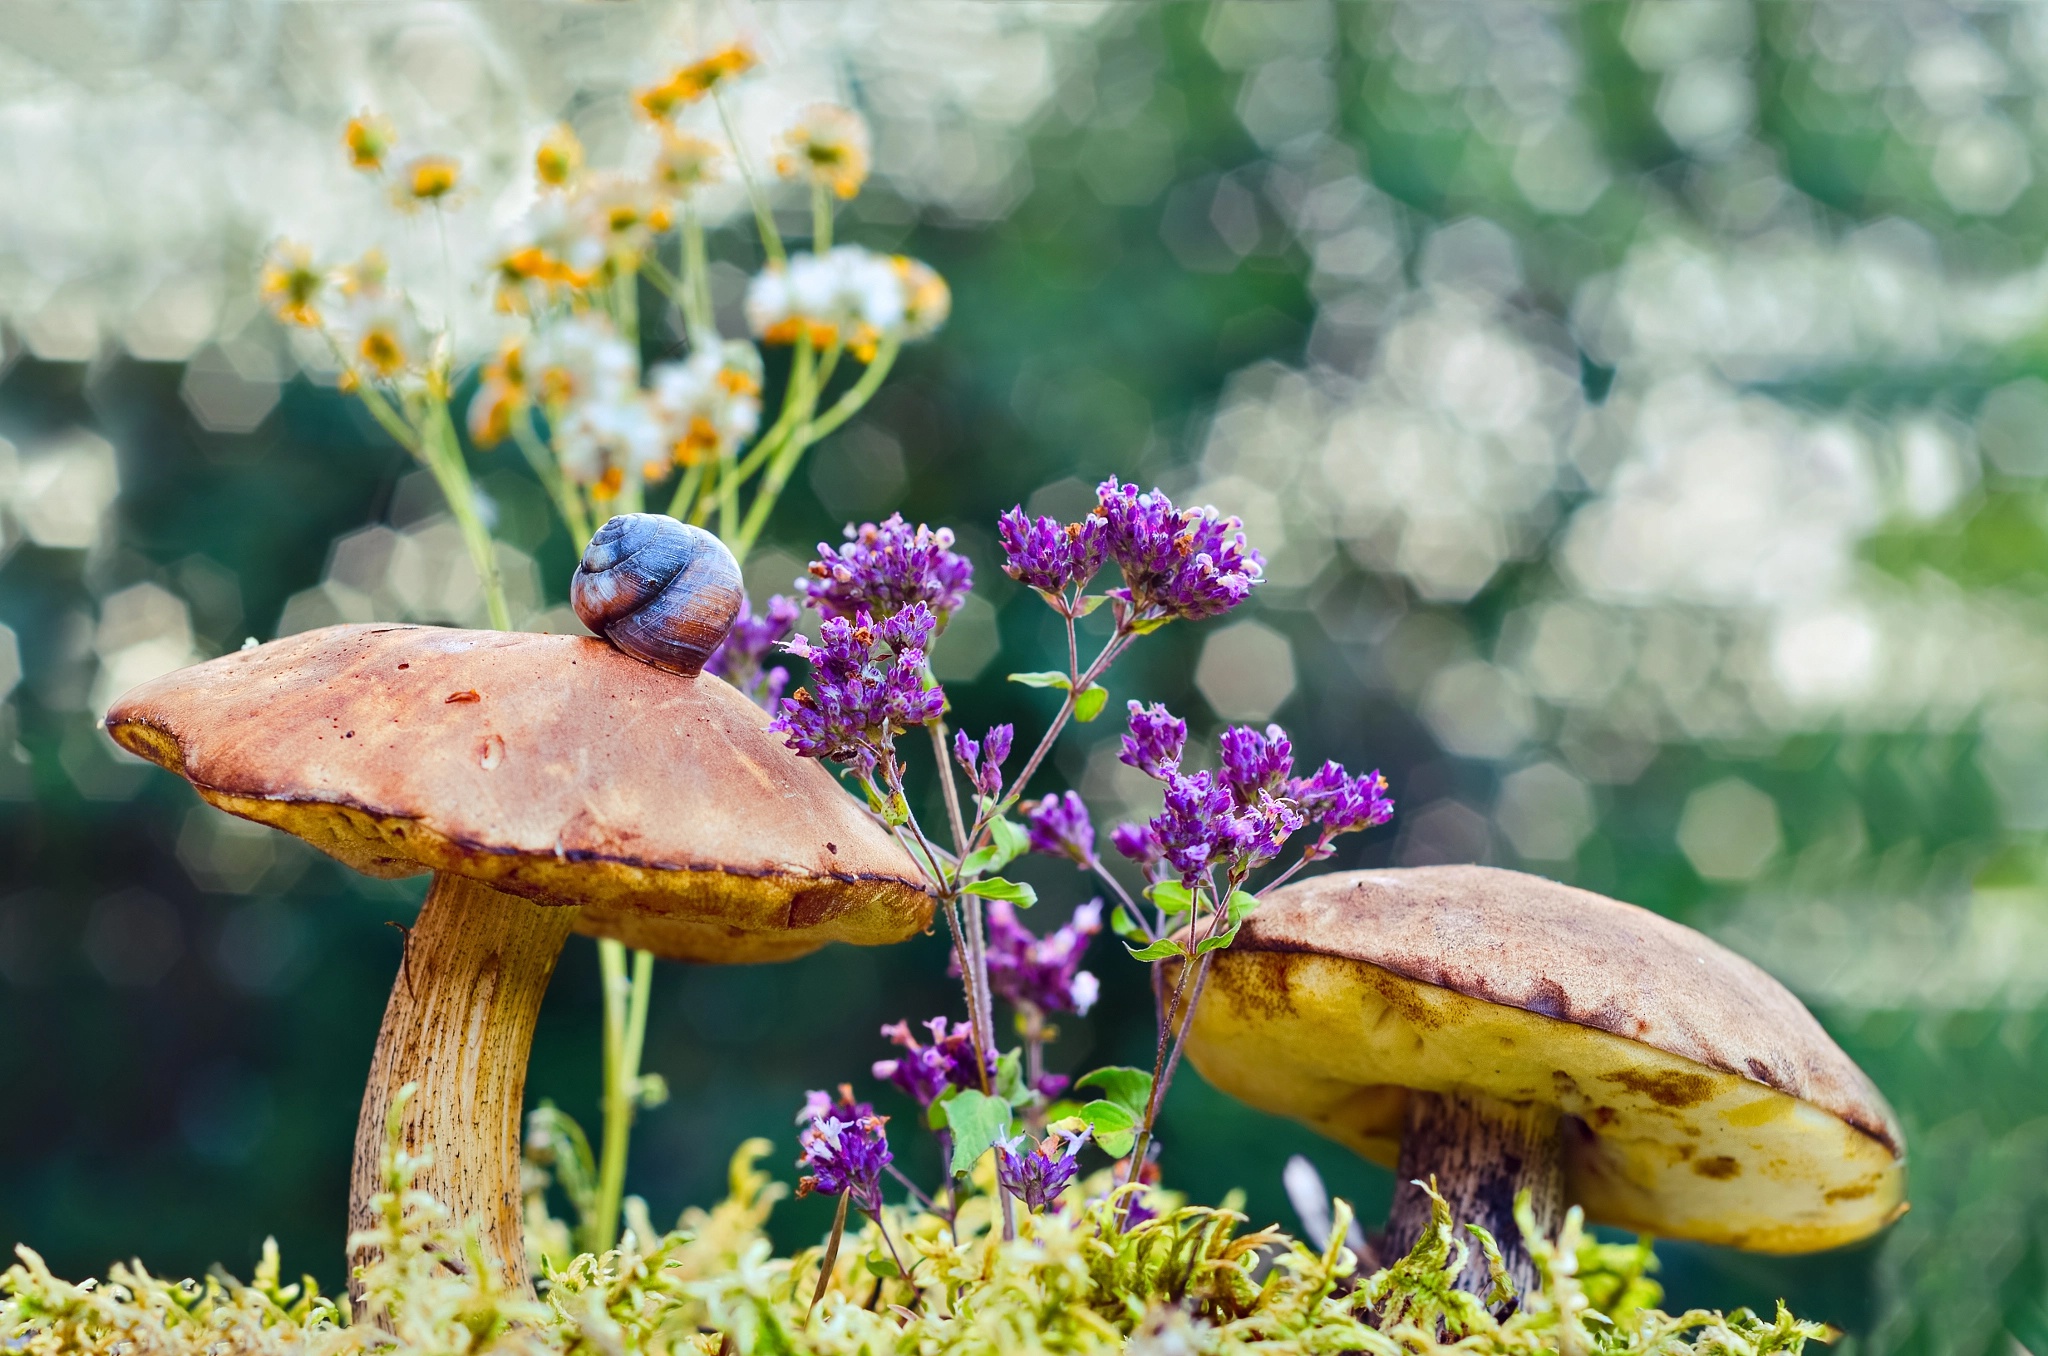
1653 1142
711 915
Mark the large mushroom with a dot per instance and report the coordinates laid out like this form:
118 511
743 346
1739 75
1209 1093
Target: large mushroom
550 783
1502 1032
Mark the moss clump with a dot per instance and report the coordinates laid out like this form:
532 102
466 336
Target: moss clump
1189 1282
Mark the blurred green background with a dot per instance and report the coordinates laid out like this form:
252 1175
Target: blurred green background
1642 408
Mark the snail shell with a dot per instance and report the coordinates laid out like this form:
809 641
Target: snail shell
663 591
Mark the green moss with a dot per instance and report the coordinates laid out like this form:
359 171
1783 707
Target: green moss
1191 1282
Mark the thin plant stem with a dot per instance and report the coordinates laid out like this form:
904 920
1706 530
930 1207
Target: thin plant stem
771 239
686 490
617 994
451 473
821 219
894 1255
913 1188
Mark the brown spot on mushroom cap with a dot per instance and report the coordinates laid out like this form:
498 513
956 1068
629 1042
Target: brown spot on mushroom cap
1700 1099
659 803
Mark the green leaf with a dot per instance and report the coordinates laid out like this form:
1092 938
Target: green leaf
1159 950
1115 1128
979 1122
1010 1084
1171 896
1089 702
1044 678
881 1266
1089 602
1239 907
1218 942
995 887
1008 843
1010 838
1146 628
895 811
1129 1088
1127 927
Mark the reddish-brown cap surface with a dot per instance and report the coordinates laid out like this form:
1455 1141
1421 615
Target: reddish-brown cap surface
549 766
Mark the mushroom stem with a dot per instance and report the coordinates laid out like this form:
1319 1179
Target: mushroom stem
459 1023
1483 1152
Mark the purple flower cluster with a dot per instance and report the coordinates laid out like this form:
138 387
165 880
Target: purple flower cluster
843 1148
1341 803
1058 826
1189 563
1051 556
1156 740
1039 1174
742 659
887 567
867 686
1175 562
983 759
925 1072
1043 972
1242 815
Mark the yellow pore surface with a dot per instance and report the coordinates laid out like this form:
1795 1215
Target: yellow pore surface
1657 1143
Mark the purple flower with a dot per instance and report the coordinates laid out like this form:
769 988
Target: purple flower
740 659
1059 827
927 1071
983 760
867 686
883 569
844 1148
1198 828
1038 1175
1043 972
1156 741
1050 556
1263 828
1340 803
1137 842
1254 762
1176 563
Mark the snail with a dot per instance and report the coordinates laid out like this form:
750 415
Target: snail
663 591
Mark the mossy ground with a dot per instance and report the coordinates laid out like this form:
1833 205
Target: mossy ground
1190 1282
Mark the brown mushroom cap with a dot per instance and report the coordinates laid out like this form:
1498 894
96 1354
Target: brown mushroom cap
553 767
1707 1103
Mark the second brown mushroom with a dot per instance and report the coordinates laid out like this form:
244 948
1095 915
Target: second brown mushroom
1502 1033
550 784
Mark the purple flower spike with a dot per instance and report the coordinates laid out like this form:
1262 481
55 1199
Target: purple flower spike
1340 803
1038 1175
1043 972
742 659
927 1071
844 1148
1196 829
1156 741
1176 563
1059 827
1254 762
884 568
1140 844
1050 556
867 686
983 759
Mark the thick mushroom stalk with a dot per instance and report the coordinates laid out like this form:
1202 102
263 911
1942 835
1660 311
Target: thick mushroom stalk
459 1025
1482 1153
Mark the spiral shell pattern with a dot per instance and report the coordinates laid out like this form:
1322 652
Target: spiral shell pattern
663 591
